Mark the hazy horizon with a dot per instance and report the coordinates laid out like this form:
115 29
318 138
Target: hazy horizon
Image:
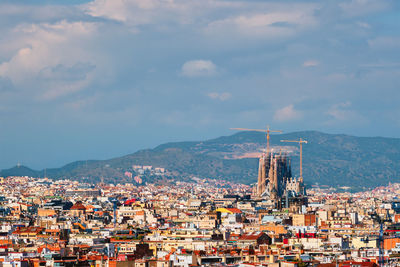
152 147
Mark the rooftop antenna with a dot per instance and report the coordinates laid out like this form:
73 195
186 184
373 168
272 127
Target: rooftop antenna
266 131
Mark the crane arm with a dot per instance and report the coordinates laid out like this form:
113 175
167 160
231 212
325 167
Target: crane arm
267 131
294 141
251 130
257 130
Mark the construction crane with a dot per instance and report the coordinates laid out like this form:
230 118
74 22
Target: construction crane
267 131
381 221
300 142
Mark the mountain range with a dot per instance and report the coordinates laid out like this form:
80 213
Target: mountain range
328 159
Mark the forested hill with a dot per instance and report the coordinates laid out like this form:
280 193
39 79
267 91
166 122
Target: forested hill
328 159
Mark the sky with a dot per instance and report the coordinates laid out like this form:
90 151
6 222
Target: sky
99 79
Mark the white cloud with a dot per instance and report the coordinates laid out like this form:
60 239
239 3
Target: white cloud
195 68
342 112
148 12
287 113
119 10
310 63
51 59
219 96
268 25
217 17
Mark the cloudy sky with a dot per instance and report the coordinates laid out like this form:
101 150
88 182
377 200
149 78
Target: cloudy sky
103 78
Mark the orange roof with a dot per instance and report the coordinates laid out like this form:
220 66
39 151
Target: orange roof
78 206
140 212
5 242
25 230
49 247
52 230
251 236
234 210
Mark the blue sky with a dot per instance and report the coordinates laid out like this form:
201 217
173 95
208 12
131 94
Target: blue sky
98 79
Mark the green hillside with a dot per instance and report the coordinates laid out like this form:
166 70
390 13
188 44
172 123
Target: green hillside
329 159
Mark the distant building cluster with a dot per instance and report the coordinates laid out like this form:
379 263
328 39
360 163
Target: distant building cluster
204 222
142 169
139 173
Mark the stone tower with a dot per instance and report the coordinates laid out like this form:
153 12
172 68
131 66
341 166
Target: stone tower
275 177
